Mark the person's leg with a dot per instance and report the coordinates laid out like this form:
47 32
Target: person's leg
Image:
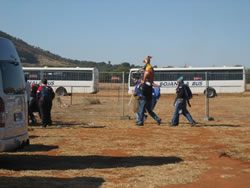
49 113
31 109
144 115
42 113
29 113
141 112
148 106
187 115
153 103
137 116
32 117
175 119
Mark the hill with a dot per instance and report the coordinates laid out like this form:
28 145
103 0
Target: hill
32 56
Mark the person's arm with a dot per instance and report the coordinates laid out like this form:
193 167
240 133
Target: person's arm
188 103
156 85
38 93
145 76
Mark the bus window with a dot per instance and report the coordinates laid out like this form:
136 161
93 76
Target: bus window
85 75
70 75
33 75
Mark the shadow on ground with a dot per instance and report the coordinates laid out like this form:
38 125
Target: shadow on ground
44 162
60 124
51 182
38 147
216 125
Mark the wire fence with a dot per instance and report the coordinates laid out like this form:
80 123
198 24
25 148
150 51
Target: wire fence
113 98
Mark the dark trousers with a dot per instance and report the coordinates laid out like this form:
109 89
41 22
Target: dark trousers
45 111
32 108
146 105
181 106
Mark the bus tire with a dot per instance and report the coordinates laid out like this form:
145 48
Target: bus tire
61 91
210 92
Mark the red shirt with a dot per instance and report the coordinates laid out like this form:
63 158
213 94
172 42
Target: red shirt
40 89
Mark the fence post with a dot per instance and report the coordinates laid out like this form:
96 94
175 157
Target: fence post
123 117
71 99
207 118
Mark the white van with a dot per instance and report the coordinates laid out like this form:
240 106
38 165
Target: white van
13 99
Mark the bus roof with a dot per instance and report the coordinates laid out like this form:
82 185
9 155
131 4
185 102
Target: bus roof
59 68
193 68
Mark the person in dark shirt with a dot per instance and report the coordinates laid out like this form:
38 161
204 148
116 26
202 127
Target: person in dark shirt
45 95
33 104
180 103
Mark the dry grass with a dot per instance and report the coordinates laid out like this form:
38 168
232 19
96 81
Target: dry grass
89 146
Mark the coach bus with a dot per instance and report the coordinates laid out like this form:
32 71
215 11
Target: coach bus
217 79
65 80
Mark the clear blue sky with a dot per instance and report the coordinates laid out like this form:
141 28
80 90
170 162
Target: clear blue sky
174 32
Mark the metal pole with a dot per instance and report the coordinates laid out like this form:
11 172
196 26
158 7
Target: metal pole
207 118
123 117
123 90
71 99
206 97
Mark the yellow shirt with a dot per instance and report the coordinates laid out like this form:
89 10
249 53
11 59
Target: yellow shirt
148 67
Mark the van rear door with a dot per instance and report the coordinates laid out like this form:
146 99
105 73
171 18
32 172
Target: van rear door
13 101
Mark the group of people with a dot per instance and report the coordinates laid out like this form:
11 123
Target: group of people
147 93
40 100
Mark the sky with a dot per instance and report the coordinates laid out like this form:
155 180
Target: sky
175 32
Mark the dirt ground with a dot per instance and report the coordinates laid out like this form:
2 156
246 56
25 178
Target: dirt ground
89 146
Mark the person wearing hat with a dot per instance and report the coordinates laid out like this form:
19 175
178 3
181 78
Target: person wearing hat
180 103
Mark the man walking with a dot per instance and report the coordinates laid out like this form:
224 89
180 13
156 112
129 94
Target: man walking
45 96
181 101
146 89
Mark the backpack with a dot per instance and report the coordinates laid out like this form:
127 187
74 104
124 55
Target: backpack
47 94
188 92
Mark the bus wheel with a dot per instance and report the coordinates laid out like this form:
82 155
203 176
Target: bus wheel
210 92
61 91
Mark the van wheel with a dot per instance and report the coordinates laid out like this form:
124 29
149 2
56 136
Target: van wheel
210 92
27 143
61 91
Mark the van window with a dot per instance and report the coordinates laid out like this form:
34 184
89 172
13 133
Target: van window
11 74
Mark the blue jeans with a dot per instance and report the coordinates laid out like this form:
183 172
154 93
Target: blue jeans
181 105
146 104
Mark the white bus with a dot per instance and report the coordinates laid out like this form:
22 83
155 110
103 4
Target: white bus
217 79
65 80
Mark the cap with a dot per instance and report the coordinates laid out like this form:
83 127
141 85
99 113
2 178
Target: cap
180 79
